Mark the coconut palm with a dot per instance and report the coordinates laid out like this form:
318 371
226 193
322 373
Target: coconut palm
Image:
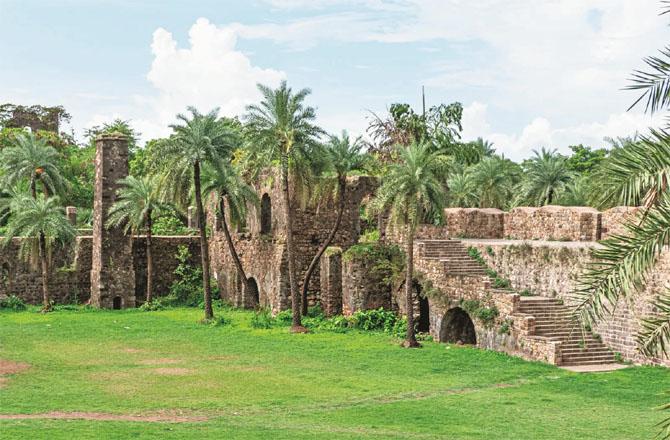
196 140
546 176
32 159
637 172
412 191
281 129
222 182
343 156
495 179
137 203
41 224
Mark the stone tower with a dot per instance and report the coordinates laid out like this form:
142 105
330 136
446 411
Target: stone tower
112 274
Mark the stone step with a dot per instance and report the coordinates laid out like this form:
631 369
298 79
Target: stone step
587 360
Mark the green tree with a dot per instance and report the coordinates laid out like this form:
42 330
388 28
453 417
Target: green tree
461 192
412 191
41 225
223 183
545 176
197 140
343 157
281 129
637 172
584 160
32 159
495 179
137 203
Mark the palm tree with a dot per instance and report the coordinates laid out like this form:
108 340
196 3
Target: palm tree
223 182
137 204
461 193
41 224
281 129
637 172
198 139
32 159
546 175
412 191
495 179
343 157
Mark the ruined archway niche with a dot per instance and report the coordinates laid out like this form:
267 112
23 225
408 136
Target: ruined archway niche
266 214
457 327
252 294
423 324
5 279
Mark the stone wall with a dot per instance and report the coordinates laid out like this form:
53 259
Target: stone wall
552 269
553 223
70 279
363 286
331 282
261 243
614 219
474 222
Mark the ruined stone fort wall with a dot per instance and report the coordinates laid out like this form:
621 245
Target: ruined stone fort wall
70 270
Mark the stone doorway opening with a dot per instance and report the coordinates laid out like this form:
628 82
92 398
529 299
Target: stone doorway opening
252 295
266 214
424 311
117 303
458 328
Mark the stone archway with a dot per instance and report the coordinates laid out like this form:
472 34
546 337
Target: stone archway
252 294
117 303
457 327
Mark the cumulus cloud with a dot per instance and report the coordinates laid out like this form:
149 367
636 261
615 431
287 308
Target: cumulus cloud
540 132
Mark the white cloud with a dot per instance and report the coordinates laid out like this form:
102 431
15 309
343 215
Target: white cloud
210 73
541 133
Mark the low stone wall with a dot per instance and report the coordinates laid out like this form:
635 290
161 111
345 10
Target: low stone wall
473 222
70 278
561 223
614 219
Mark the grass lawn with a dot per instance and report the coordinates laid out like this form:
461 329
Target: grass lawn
234 381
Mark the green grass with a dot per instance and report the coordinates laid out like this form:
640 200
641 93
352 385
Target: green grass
253 383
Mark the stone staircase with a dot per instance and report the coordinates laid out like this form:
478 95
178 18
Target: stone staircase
553 321
453 254
556 322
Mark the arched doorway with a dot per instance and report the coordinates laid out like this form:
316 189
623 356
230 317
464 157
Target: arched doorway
424 312
457 327
252 295
117 302
266 214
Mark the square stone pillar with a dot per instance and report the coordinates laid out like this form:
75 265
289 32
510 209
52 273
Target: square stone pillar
112 273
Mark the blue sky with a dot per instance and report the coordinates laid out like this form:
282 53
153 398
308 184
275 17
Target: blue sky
530 73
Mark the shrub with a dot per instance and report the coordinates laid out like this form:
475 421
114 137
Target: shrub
187 288
12 302
152 306
262 319
169 224
505 328
386 261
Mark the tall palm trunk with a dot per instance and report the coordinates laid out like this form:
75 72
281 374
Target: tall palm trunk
46 303
295 299
409 276
204 246
33 188
342 182
150 260
231 245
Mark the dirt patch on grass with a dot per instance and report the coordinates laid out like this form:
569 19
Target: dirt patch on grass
3 381
133 350
160 417
223 358
159 361
11 367
173 371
